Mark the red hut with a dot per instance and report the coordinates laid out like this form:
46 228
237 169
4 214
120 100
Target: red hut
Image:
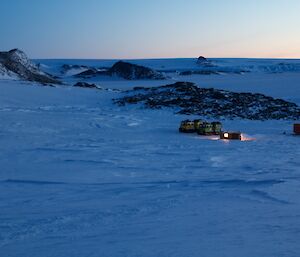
297 129
231 135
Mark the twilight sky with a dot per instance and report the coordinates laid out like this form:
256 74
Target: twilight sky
104 29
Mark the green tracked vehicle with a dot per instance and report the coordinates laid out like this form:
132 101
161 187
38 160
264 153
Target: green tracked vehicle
187 126
197 124
217 127
210 128
205 128
201 127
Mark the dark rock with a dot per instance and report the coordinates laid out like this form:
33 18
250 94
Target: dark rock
86 85
66 67
131 71
203 62
16 62
84 71
202 59
87 73
186 73
124 70
92 72
187 98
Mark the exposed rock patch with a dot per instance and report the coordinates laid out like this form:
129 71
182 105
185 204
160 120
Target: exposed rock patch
187 98
124 70
7 74
65 68
86 85
92 72
202 59
131 71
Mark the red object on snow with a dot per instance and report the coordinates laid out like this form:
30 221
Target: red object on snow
297 129
231 135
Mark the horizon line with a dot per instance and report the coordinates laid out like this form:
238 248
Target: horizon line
166 58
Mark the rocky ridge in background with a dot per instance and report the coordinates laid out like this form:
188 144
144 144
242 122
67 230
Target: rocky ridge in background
131 71
124 70
67 67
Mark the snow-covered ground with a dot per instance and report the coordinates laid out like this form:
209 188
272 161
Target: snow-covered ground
81 176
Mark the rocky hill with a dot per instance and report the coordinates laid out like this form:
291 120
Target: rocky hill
15 64
202 60
92 72
5 73
188 98
86 85
123 70
132 71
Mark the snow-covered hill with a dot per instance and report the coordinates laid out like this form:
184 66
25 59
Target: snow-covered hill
81 176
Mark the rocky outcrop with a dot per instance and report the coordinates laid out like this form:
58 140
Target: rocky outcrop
131 71
16 63
6 74
65 68
92 72
203 62
123 70
187 98
86 85
202 59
